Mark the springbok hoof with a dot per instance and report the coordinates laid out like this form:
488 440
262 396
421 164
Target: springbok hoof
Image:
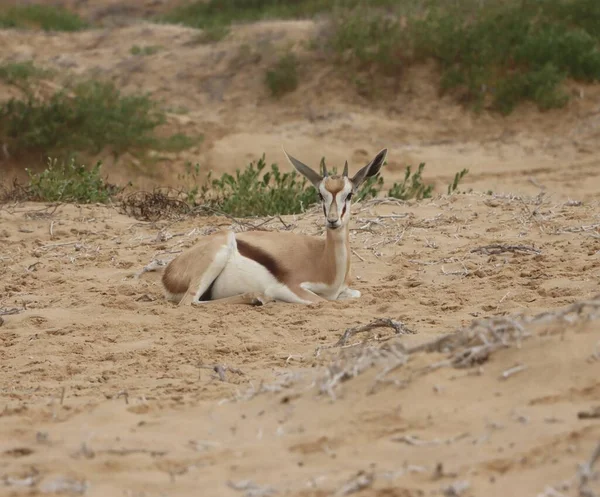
259 300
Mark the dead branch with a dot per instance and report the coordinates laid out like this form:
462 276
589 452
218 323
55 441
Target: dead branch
512 371
125 394
357 255
360 482
251 489
10 311
398 327
416 441
65 485
438 344
500 248
586 473
221 370
581 229
575 308
126 452
591 414
154 265
456 489
475 355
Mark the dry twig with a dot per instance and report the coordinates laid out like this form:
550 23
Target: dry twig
398 327
500 248
10 311
360 482
512 371
586 473
591 414
251 489
221 370
412 440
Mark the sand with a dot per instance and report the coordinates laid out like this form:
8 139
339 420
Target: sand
107 389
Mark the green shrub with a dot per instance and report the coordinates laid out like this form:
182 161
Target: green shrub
211 34
46 17
256 191
282 78
202 13
190 187
457 179
412 186
178 142
93 116
247 193
497 52
70 182
145 50
18 73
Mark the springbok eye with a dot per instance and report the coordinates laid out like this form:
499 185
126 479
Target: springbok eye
321 197
349 196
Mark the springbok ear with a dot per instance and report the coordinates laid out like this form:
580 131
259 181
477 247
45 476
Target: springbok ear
314 177
371 169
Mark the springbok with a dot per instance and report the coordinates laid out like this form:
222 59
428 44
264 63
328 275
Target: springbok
256 267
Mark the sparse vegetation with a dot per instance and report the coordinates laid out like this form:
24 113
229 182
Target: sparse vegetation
211 34
202 13
69 182
252 192
457 179
282 78
499 53
491 54
46 17
20 73
256 192
144 50
412 186
90 117
178 142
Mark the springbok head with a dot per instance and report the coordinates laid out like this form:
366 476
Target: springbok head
336 191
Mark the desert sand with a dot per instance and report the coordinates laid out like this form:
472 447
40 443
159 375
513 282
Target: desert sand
486 384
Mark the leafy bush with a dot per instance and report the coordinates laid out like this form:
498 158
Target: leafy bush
17 73
457 179
211 34
412 186
503 52
93 116
202 13
256 191
145 50
178 142
70 182
283 76
248 194
46 17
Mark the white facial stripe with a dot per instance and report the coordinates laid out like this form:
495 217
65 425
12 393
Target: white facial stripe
339 198
342 194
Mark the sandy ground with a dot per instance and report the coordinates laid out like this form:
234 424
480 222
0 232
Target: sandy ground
105 383
106 389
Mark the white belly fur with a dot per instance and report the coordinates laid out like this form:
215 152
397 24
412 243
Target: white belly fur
242 275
